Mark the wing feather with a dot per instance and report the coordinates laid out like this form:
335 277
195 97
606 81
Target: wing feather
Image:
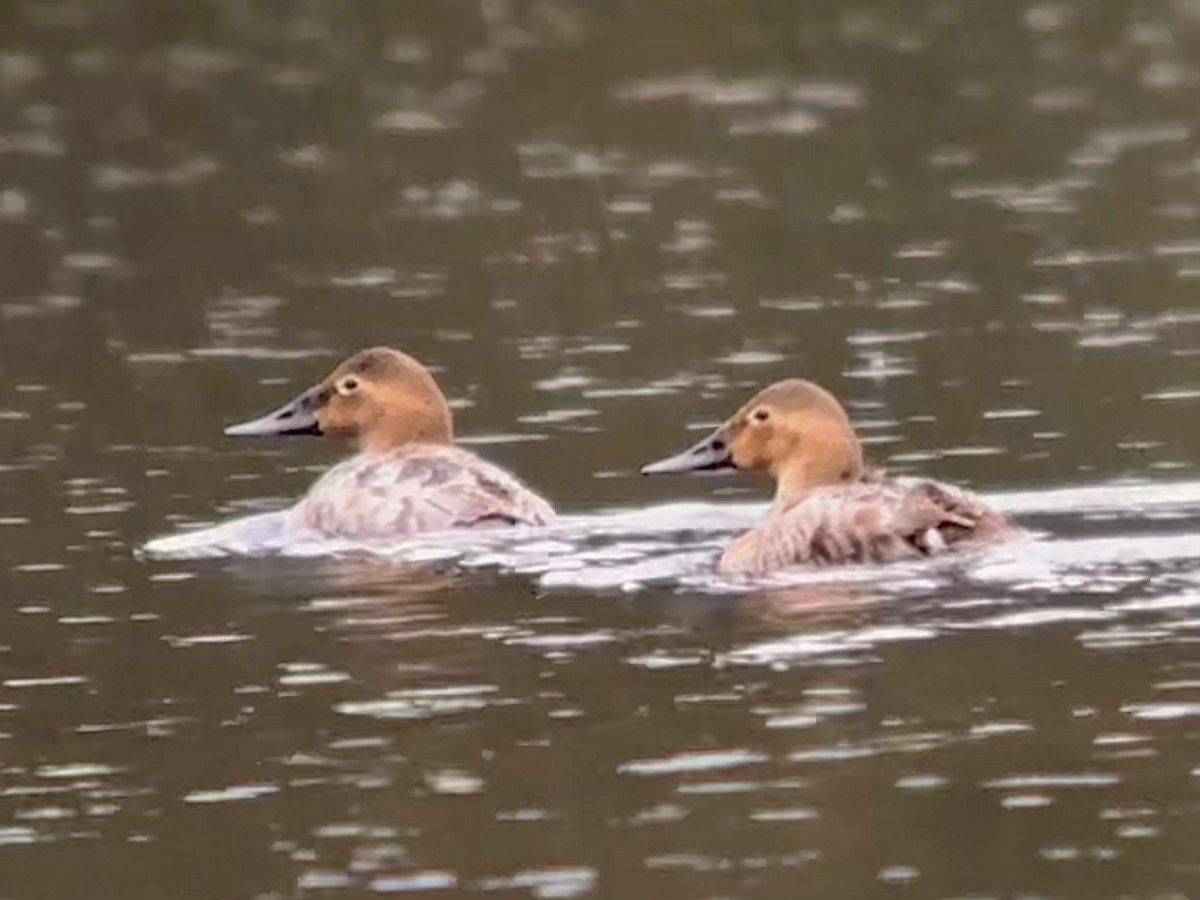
418 490
876 521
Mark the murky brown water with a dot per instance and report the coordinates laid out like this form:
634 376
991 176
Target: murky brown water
603 224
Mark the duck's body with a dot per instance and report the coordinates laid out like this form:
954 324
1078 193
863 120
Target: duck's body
875 520
829 508
407 478
413 490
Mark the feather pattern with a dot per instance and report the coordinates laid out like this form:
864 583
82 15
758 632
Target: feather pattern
876 519
414 489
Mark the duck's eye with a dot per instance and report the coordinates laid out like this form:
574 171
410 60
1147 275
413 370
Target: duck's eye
760 415
348 385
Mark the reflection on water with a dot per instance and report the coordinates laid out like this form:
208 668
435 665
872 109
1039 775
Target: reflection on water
601 226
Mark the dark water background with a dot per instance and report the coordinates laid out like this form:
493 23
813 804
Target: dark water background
604 224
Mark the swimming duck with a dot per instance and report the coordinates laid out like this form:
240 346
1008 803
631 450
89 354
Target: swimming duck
408 477
829 507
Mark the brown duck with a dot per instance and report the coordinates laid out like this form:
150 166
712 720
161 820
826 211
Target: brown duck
829 507
408 477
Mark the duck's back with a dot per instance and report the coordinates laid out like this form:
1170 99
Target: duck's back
876 520
414 490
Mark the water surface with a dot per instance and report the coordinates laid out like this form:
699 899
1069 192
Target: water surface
604 226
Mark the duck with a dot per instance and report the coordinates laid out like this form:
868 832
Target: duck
407 477
830 507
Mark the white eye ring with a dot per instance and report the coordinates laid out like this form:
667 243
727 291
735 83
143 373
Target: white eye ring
348 385
760 414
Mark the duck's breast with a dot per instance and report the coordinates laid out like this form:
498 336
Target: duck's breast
873 522
417 490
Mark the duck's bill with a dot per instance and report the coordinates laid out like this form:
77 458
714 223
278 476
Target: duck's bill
709 455
297 417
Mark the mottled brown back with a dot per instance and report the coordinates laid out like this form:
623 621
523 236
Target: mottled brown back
874 520
417 489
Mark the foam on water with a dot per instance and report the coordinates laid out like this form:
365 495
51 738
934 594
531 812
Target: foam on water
1100 538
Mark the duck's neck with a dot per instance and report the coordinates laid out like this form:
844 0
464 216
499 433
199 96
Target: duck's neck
415 427
794 480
